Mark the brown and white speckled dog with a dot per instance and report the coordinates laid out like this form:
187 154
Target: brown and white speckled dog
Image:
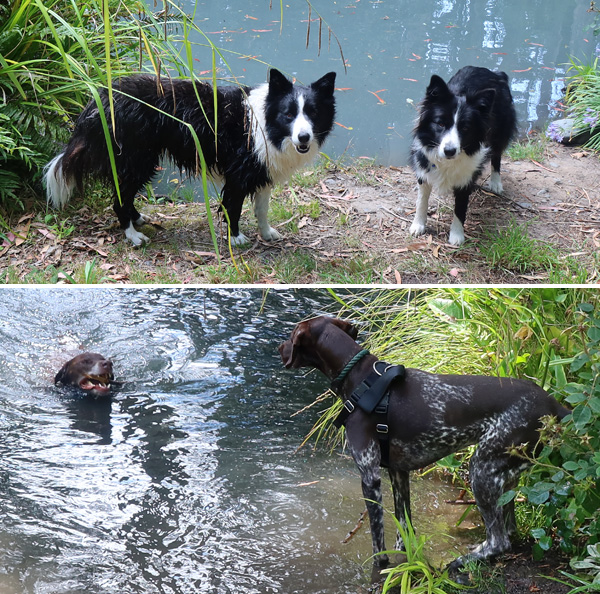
429 416
89 372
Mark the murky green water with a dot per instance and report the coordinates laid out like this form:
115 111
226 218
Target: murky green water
391 48
188 480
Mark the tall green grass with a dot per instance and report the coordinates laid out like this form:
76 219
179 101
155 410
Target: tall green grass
53 54
583 98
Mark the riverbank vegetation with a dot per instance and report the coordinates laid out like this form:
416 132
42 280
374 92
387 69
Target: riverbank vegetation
549 335
53 57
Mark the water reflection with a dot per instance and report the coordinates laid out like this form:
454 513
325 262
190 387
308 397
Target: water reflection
188 480
390 50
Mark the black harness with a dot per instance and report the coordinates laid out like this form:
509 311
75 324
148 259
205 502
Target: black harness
372 395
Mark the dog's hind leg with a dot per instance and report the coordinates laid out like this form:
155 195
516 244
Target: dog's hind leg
132 176
232 200
261 210
401 490
491 474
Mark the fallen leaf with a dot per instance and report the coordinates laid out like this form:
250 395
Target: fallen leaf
397 277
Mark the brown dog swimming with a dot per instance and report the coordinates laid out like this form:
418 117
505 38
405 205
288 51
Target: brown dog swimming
406 419
90 372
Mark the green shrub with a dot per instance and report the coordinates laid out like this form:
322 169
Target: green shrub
565 480
52 53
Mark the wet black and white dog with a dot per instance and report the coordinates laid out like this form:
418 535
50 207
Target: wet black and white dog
461 125
263 134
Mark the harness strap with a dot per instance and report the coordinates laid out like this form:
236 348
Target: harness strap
370 393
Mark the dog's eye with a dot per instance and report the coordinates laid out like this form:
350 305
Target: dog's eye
289 115
439 125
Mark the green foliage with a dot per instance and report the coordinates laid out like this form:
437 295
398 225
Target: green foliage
510 248
51 54
583 99
415 575
529 149
565 480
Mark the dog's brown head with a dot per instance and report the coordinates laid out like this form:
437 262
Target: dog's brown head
89 372
302 349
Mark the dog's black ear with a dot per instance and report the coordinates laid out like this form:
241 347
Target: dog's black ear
483 100
326 84
60 376
350 329
278 83
437 89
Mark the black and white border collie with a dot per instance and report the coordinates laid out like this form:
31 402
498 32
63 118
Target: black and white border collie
461 125
263 134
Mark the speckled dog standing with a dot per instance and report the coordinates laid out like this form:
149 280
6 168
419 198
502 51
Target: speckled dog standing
406 419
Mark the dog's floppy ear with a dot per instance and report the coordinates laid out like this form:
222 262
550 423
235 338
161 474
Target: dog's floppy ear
350 329
278 83
290 349
326 84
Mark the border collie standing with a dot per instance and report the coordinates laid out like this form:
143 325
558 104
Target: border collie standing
461 125
260 137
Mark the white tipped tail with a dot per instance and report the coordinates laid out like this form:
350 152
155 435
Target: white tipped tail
58 188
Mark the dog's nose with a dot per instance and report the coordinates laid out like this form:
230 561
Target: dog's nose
304 137
450 151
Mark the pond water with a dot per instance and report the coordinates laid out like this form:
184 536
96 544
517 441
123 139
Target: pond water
188 480
391 48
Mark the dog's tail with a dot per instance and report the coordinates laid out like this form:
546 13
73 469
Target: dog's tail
60 184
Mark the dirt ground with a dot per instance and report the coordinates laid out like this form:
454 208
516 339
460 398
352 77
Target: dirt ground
360 234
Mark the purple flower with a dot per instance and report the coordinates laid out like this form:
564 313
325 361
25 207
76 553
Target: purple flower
554 132
591 119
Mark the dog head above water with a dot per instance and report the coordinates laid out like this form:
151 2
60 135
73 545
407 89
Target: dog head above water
89 372
300 351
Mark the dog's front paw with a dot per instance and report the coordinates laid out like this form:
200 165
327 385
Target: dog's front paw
457 233
136 237
417 228
239 240
270 234
495 184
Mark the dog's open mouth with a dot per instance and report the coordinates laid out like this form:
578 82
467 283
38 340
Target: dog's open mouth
99 384
303 148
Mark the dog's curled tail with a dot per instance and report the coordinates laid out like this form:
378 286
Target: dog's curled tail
59 185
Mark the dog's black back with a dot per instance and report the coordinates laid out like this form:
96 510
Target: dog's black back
151 123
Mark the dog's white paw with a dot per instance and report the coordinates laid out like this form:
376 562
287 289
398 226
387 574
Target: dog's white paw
417 228
270 234
136 237
457 233
239 240
495 184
